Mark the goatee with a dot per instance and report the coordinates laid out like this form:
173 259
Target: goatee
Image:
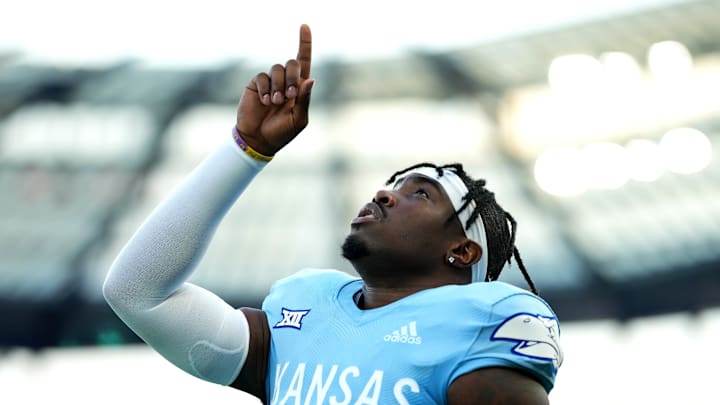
354 248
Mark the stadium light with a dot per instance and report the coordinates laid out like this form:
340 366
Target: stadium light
646 163
686 150
575 75
670 62
620 69
605 164
570 171
557 172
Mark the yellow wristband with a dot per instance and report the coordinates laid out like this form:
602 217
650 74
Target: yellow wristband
247 149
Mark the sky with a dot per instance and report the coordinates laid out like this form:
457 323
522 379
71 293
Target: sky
175 33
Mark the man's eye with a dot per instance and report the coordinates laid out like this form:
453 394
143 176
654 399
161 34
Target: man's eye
422 192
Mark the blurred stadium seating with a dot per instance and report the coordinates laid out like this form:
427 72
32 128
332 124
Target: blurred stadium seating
85 154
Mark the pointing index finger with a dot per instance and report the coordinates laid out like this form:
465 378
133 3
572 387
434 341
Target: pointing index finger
304 55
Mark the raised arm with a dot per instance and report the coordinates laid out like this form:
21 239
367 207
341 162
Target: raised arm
146 285
274 108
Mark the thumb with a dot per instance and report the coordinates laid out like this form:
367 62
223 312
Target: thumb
302 103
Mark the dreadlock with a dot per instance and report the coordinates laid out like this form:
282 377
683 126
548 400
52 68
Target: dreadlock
500 240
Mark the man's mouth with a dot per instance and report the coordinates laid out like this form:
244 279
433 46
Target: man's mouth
369 213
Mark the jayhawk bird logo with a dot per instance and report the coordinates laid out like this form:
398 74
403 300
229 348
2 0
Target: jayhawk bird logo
537 336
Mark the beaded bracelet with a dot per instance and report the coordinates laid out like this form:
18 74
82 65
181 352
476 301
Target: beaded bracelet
247 149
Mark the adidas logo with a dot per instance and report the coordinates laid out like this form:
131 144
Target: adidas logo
406 334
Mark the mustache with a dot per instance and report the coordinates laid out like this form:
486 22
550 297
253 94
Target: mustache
382 208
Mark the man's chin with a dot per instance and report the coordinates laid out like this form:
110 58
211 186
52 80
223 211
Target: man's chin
354 248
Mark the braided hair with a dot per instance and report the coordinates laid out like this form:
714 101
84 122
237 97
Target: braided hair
501 240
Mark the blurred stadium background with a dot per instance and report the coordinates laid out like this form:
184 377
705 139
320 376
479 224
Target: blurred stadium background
597 124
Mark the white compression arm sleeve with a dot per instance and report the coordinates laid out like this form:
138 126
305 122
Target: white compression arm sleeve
146 285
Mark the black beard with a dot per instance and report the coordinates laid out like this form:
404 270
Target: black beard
354 248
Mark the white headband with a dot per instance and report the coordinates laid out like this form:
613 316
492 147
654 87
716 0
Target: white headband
456 190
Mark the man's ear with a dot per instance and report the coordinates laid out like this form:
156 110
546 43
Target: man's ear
465 253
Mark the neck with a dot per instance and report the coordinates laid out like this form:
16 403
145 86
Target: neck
387 288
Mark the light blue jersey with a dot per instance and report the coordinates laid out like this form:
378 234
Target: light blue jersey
324 350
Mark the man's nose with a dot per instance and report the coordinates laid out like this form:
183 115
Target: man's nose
385 198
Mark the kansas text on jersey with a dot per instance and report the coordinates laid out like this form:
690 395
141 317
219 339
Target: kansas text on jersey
324 350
